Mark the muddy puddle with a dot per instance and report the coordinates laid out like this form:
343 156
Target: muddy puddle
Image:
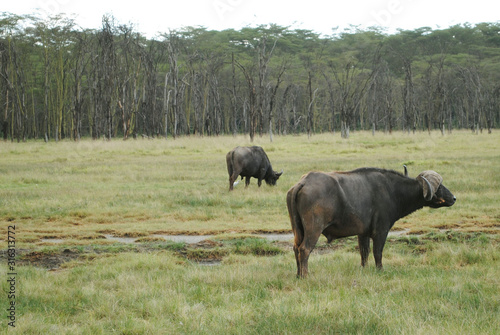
53 240
209 263
193 239
189 239
203 250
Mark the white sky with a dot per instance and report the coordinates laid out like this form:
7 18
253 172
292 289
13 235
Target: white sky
150 17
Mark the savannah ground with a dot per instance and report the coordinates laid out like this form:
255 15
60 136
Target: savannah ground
69 200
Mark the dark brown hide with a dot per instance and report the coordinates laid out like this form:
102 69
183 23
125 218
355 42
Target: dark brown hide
250 162
365 202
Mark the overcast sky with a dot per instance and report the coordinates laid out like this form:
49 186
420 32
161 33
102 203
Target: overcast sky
150 17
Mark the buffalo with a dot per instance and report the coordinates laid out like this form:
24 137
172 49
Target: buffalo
250 162
365 202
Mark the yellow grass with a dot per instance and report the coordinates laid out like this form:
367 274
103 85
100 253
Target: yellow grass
84 190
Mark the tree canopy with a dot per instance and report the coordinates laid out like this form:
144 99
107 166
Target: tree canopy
59 81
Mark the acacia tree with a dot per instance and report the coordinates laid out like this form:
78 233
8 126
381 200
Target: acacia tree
79 65
105 78
252 99
54 41
404 47
473 104
272 95
58 81
13 79
7 87
149 89
172 44
261 97
352 83
129 64
381 99
263 71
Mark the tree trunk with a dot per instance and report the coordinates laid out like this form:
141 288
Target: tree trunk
5 124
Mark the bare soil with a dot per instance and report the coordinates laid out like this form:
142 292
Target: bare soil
56 255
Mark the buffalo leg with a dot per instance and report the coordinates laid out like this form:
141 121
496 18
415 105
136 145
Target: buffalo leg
304 250
296 251
364 248
230 171
247 181
232 179
303 258
378 248
298 239
261 176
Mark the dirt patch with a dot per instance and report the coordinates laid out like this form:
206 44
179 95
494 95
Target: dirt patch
54 237
204 248
186 232
206 251
149 239
47 260
218 232
29 239
449 226
106 231
207 244
204 255
130 234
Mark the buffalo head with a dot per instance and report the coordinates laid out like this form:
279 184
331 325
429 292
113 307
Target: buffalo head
273 177
435 193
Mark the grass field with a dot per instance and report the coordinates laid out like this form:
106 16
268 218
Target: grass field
68 199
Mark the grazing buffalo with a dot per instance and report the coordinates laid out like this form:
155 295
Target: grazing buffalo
365 202
250 162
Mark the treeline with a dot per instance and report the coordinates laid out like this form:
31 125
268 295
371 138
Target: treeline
59 81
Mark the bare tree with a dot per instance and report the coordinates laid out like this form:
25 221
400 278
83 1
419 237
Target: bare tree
310 111
409 110
264 58
381 99
252 100
352 81
149 90
272 97
103 81
6 87
173 54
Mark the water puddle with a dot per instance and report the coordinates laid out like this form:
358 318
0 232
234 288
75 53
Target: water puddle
399 232
120 239
192 239
277 237
52 240
209 263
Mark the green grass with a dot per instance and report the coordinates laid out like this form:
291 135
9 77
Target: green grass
442 281
450 289
255 246
146 186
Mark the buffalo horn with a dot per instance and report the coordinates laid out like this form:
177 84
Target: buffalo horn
431 178
406 171
428 192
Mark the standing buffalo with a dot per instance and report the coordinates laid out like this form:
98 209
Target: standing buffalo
364 202
250 162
